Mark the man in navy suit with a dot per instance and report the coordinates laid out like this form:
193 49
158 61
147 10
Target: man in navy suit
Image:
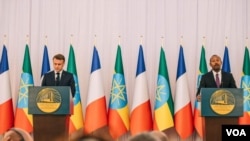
208 80
59 77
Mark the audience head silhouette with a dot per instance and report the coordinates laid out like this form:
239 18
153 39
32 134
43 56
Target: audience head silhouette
17 134
90 138
161 135
144 136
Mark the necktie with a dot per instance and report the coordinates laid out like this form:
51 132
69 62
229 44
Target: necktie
57 78
217 80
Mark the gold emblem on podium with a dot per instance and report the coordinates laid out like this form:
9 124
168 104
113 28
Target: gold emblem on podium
222 102
48 100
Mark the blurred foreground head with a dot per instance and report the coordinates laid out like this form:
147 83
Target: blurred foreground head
144 136
17 134
90 138
161 135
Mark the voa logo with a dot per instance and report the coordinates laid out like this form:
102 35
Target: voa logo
236 132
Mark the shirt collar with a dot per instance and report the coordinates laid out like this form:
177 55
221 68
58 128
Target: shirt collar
214 73
59 72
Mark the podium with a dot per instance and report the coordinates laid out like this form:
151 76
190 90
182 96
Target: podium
51 107
220 106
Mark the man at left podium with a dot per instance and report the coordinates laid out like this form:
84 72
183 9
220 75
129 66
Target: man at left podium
59 77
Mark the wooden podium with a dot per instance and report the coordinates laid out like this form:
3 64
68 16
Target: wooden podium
51 107
220 106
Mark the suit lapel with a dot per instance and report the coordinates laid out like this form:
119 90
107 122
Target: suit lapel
223 77
62 78
52 76
212 79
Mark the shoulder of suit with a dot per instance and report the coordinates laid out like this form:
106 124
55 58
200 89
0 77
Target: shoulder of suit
66 72
208 73
50 72
226 73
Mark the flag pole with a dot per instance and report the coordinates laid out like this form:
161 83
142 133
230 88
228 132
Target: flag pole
46 40
246 42
162 41
4 39
71 39
95 40
141 39
204 41
27 39
119 40
226 41
181 41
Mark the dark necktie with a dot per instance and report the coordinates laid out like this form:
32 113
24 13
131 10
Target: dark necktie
57 78
217 80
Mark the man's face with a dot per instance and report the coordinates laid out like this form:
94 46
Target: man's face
12 136
215 63
58 65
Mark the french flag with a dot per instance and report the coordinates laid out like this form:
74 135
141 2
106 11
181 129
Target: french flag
141 115
183 116
96 111
6 104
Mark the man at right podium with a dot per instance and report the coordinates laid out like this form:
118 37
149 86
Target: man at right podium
216 78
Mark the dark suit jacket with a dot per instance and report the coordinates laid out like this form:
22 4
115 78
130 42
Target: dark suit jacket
208 81
67 79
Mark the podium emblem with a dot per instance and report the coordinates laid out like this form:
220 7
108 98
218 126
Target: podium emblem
48 100
222 102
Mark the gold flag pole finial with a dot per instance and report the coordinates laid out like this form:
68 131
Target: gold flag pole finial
226 41
46 40
4 39
162 41
71 39
181 41
246 42
95 40
141 39
27 39
204 41
119 40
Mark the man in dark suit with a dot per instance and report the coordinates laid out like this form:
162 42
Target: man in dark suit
216 78
59 77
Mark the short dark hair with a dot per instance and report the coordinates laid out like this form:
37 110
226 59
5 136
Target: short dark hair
214 55
59 57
